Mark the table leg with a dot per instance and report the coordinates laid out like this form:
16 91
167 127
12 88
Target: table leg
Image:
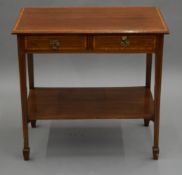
157 94
30 70
23 91
148 78
31 79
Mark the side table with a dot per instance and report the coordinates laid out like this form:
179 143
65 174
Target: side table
90 30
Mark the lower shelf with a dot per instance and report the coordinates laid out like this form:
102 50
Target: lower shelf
90 103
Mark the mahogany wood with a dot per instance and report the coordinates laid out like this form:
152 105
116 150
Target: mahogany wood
90 20
148 78
148 70
31 79
157 93
90 30
90 103
90 43
68 43
30 70
23 91
112 43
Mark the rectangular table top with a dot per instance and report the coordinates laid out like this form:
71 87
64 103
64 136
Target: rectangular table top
91 20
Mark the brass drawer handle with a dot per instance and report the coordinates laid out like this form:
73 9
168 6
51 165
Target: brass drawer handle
55 44
125 41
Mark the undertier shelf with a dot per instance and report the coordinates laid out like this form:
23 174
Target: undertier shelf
90 103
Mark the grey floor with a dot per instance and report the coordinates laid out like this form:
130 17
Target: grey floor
92 147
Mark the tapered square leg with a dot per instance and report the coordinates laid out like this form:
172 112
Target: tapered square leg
155 153
33 123
30 70
157 93
23 92
146 122
148 78
26 153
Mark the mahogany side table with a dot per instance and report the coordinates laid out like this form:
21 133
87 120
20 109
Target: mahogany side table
90 30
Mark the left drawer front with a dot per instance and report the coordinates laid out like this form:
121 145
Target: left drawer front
70 43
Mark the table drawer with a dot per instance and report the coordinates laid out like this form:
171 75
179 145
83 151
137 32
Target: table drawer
124 43
56 43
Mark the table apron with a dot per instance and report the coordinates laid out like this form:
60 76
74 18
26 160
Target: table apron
82 43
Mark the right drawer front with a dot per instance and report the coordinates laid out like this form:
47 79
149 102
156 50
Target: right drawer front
123 43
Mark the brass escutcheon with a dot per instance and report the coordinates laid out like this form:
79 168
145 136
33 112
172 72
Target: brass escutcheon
54 43
125 41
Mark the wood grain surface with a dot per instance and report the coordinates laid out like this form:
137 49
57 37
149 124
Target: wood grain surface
90 30
90 20
90 103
